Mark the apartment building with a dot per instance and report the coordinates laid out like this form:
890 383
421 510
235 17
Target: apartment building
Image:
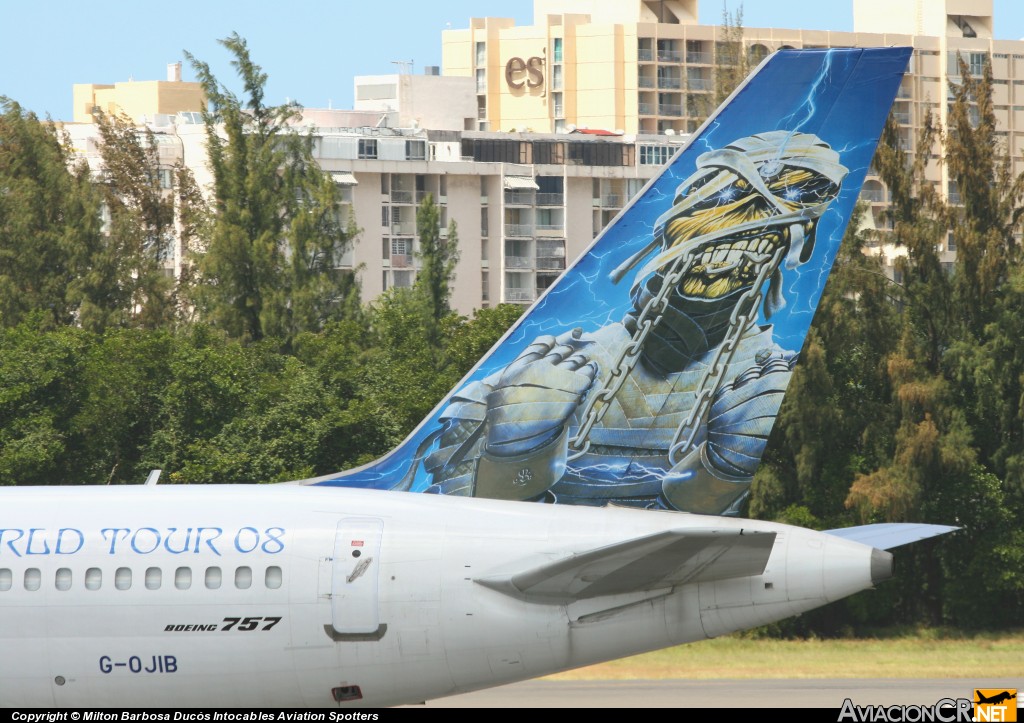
524 204
648 67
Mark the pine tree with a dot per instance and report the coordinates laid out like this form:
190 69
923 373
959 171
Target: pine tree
731 63
268 268
49 220
124 282
438 257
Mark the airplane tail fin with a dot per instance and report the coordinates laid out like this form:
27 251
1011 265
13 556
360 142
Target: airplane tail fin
651 373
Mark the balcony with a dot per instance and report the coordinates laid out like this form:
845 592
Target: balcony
647 81
670 83
612 200
520 296
518 262
519 229
645 55
547 229
403 228
695 56
670 109
873 195
401 261
902 118
645 108
401 197
904 93
700 83
550 199
669 56
550 263
519 198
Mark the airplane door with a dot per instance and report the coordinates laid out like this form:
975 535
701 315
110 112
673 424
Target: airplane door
356 569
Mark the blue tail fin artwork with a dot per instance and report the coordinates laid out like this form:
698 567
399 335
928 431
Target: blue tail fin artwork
651 373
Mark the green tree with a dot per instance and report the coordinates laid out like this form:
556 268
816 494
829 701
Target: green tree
731 64
123 283
269 267
984 226
49 220
438 256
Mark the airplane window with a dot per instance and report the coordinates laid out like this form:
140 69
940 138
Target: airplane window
273 577
123 578
213 578
183 578
6 579
93 578
63 579
32 579
153 578
243 578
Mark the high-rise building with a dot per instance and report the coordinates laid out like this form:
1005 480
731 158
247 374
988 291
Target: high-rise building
525 205
648 66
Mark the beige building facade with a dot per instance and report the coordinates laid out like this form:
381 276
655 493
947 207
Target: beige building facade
138 100
524 205
648 67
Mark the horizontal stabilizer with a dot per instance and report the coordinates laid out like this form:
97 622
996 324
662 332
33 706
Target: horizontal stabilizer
656 561
885 536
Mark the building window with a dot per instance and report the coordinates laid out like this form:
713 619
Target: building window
165 177
6 580
556 77
654 155
556 50
481 80
559 105
481 53
950 243
415 150
404 279
367 148
976 63
400 247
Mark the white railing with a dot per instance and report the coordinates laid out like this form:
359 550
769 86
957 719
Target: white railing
518 229
518 262
519 296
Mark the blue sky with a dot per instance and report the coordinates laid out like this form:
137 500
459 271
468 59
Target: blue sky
310 50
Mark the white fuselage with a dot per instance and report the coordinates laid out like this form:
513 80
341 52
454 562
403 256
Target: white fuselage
294 596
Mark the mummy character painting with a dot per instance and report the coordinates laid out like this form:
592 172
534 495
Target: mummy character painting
672 406
650 375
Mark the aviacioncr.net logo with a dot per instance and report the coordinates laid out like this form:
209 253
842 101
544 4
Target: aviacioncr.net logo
998 705
946 710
